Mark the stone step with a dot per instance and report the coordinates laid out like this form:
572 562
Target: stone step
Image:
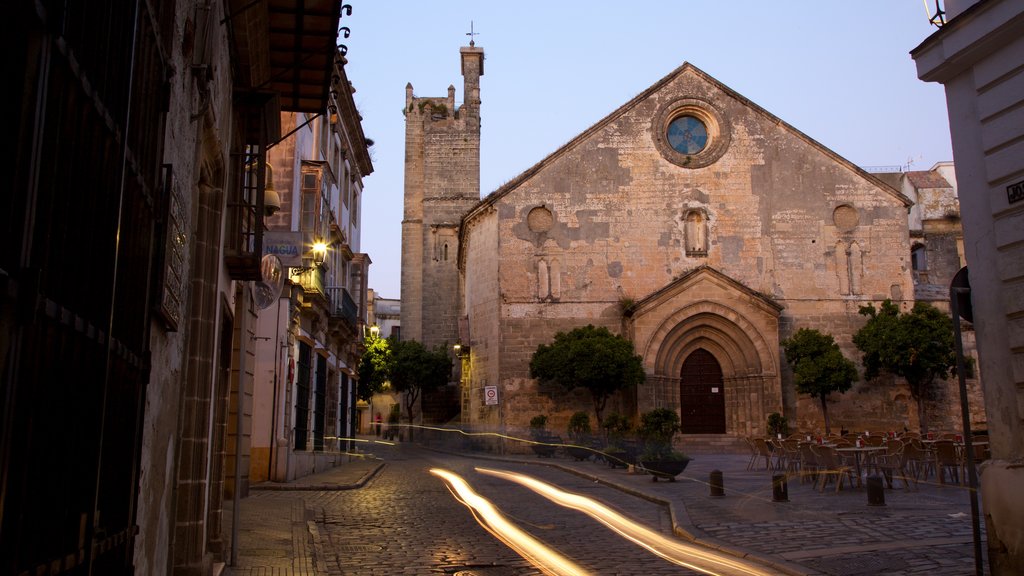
711 444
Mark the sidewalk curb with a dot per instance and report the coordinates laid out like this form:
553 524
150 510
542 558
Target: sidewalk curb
324 486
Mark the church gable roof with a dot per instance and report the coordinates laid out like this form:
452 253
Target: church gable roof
685 68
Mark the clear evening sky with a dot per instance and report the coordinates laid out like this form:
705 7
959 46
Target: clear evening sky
839 71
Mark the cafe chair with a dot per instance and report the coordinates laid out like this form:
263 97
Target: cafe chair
947 461
808 464
893 464
763 451
830 466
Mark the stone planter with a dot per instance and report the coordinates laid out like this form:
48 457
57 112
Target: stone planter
665 468
579 453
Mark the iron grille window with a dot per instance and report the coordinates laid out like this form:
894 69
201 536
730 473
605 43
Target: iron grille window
345 428
302 395
245 206
319 403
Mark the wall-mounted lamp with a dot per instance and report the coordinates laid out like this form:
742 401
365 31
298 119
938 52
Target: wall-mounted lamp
461 349
375 331
319 252
271 199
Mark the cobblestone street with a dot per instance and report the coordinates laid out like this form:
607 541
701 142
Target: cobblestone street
392 516
405 521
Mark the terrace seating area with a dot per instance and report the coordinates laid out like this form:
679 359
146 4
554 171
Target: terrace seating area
903 460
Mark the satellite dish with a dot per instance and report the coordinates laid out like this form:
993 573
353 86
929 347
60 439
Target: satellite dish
267 290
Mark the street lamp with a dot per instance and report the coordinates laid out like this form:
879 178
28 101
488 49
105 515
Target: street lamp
319 252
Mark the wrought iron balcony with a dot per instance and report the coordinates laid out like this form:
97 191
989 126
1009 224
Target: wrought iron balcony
343 308
311 279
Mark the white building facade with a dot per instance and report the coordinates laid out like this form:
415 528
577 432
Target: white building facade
978 56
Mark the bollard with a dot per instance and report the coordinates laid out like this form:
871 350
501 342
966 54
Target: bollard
780 489
876 492
715 481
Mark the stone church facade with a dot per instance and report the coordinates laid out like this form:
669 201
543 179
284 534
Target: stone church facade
690 220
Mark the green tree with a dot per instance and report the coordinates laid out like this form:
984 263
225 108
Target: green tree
819 367
416 370
591 358
374 367
917 346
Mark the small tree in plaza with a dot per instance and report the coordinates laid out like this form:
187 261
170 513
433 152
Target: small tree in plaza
917 346
416 369
819 367
374 367
591 358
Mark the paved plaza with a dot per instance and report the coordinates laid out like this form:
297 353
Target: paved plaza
365 517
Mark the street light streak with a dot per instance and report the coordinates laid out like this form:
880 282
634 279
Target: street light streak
687 555
487 515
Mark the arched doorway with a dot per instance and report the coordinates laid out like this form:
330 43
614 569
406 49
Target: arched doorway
701 394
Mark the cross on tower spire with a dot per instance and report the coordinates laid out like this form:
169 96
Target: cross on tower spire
471 34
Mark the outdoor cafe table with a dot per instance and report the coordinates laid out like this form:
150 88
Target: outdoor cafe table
857 452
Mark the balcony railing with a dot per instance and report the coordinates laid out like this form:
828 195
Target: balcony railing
343 306
311 279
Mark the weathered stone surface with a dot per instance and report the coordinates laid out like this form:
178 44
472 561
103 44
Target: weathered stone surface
731 249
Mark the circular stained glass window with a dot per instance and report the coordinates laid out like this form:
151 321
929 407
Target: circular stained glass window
687 135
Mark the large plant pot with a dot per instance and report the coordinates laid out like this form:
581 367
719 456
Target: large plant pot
665 468
579 453
616 457
547 447
543 450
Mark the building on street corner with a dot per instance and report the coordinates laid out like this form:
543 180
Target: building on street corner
135 203
978 56
310 337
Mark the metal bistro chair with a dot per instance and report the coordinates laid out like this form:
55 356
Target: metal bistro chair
893 463
831 466
917 460
809 467
753 452
947 460
791 448
763 451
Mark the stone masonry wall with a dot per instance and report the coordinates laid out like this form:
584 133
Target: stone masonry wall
786 218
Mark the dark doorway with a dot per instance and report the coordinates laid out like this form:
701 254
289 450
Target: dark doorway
701 394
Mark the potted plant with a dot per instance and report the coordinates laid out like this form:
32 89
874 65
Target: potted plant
778 426
579 437
657 428
616 430
541 440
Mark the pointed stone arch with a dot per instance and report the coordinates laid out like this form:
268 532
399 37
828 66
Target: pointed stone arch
738 327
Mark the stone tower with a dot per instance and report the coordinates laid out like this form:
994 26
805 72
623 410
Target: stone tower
442 182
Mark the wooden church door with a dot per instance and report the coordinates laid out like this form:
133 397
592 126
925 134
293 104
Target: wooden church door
701 394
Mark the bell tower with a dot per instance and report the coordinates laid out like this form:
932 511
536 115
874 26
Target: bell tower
442 182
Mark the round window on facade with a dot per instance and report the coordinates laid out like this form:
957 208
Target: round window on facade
687 134
690 133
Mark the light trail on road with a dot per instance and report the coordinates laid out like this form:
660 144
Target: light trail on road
534 551
689 556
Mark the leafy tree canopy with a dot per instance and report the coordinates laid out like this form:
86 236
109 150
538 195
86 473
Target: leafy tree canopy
819 367
591 358
917 345
415 368
374 367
